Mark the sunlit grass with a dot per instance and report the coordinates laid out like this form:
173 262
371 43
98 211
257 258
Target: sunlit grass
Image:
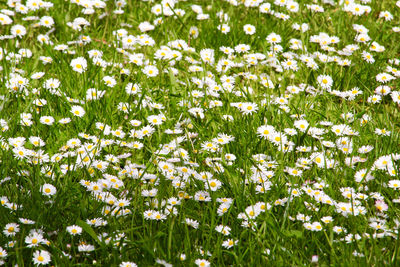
197 133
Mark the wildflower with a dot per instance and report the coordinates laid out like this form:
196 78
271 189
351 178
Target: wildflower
41 257
3 253
224 28
384 77
207 55
26 221
242 48
265 131
78 111
194 32
11 229
395 184
382 132
46 21
94 94
249 29
248 108
213 185
223 208
34 239
79 64
381 205
395 96
127 264
225 230
302 125
150 71
85 248
18 30
229 243
109 81
74 230
386 15
367 57
327 219
48 190
338 229
192 223
274 38
293 171
325 82
47 120
202 263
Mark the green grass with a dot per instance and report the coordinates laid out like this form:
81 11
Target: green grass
172 161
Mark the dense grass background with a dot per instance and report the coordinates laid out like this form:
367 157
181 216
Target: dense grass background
275 237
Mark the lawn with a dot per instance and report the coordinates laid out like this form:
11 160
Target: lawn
199 133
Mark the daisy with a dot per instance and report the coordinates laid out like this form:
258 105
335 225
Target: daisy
249 29
194 32
325 81
192 223
265 131
386 15
109 81
150 71
26 221
395 184
85 248
248 108
18 30
374 99
395 95
48 190
127 264
41 257
36 141
78 111
225 230
224 28
34 239
382 132
94 94
302 125
3 253
229 243
213 185
384 77
11 229
265 8
74 230
242 48
202 263
47 120
79 64
46 21
274 38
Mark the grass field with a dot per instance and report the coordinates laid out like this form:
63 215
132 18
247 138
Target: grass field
199 133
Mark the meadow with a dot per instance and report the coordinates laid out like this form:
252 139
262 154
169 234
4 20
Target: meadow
199 133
